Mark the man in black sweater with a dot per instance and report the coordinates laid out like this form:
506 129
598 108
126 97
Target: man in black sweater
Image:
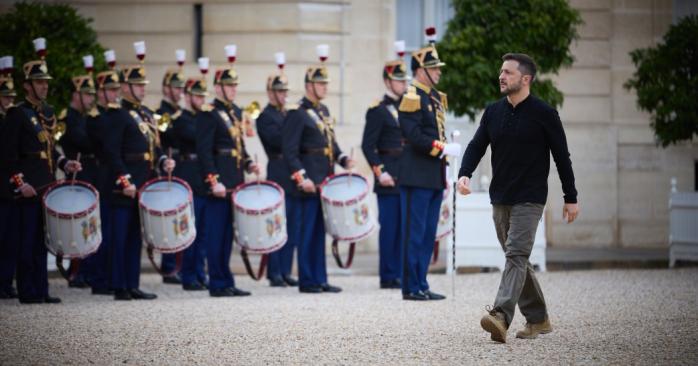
523 131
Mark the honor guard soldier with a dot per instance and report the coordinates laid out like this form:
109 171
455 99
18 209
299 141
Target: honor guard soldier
172 87
223 160
181 138
73 139
310 149
99 123
269 127
422 118
382 146
132 145
32 158
9 239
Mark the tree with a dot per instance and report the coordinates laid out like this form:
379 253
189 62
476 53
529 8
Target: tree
68 35
666 82
482 31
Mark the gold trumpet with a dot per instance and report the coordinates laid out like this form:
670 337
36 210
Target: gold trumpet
249 114
162 121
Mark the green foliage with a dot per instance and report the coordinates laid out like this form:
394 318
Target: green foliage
666 82
482 31
68 35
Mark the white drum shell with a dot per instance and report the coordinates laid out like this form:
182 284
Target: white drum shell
260 217
445 225
72 220
167 215
346 208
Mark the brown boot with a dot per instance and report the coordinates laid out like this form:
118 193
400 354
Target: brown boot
532 330
495 323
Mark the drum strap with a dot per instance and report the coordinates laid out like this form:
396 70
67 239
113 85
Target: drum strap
71 272
248 266
178 262
338 258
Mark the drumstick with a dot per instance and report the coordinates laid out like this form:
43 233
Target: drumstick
351 170
257 173
169 174
72 181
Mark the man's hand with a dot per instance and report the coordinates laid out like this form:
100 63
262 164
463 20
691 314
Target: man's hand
27 190
169 165
72 166
386 180
218 190
451 149
463 186
570 211
348 163
130 191
253 168
308 186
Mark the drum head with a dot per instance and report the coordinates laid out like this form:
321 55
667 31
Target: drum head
257 197
70 199
344 187
164 196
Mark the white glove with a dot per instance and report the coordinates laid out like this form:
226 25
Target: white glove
451 149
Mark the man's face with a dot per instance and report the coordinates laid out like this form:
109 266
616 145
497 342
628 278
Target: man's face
40 88
138 91
319 89
113 95
88 99
231 91
197 101
277 96
175 93
397 86
435 74
6 101
510 78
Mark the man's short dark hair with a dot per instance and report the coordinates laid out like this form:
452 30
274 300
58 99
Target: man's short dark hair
526 64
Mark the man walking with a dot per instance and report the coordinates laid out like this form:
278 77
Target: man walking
523 131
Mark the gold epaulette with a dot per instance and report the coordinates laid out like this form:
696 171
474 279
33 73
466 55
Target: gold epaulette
444 100
292 107
176 115
206 108
63 114
410 101
374 104
114 105
94 112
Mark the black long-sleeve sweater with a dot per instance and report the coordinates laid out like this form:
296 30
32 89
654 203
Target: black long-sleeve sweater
522 139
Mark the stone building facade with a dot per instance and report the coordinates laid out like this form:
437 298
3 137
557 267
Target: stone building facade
622 176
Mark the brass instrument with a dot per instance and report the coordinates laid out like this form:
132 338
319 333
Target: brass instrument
250 113
162 121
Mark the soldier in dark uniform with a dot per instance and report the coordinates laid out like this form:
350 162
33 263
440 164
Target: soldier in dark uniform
310 149
9 239
422 117
181 137
32 159
269 126
99 122
172 87
223 160
75 140
132 144
382 146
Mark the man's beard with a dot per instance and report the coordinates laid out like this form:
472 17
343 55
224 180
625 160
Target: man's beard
511 88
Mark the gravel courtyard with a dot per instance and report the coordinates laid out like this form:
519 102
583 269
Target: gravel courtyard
599 317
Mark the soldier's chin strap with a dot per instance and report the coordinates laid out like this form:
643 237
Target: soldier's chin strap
35 94
130 88
225 95
433 84
276 99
